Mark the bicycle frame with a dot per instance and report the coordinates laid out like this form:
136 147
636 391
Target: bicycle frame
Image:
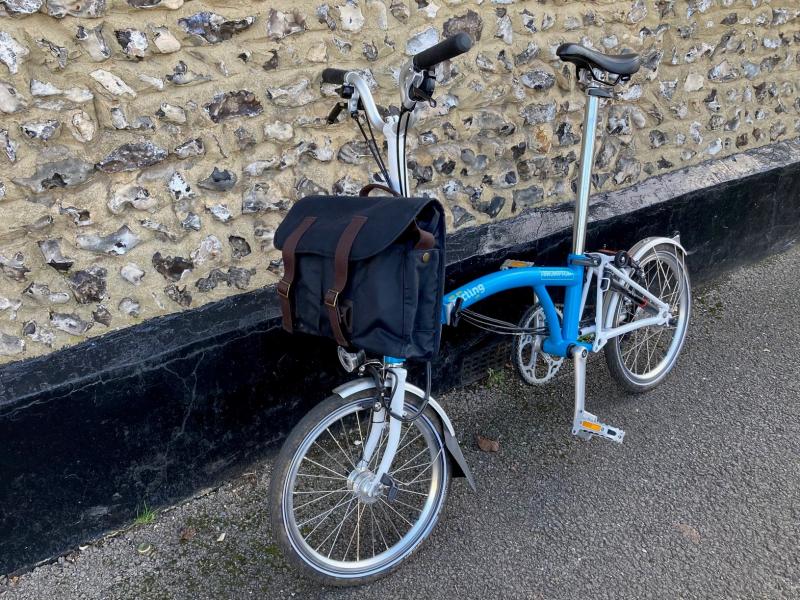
566 333
566 337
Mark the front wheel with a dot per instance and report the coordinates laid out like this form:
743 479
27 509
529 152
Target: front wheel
641 359
325 524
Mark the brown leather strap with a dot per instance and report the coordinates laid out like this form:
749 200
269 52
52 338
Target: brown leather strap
341 262
365 191
426 240
285 285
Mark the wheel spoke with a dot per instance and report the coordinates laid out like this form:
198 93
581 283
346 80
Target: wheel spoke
400 468
324 467
296 508
414 481
350 511
396 512
400 502
324 516
320 476
391 521
337 529
354 535
406 491
329 455
338 445
347 443
399 450
360 435
302 493
378 524
421 473
379 448
400 445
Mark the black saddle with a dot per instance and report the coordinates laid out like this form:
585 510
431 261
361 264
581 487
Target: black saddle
582 57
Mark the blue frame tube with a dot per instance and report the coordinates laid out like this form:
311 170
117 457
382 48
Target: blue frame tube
563 335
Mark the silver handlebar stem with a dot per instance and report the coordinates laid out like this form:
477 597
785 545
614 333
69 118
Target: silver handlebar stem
396 163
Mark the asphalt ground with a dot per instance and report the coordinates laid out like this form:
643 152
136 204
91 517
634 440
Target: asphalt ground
701 501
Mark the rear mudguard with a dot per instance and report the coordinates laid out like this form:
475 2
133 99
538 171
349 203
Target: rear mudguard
643 246
639 249
461 469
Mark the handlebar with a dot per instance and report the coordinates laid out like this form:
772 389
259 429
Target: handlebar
444 50
427 59
331 75
417 83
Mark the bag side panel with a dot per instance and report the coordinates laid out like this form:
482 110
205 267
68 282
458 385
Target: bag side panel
423 302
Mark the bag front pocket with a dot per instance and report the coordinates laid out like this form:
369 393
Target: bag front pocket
376 290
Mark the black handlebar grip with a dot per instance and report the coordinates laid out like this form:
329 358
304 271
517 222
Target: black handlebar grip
444 50
330 75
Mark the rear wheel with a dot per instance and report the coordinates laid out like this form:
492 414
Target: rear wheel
326 526
641 359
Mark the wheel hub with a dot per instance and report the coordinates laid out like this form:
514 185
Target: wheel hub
361 483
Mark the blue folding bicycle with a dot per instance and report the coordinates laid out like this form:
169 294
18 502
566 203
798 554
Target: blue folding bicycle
360 483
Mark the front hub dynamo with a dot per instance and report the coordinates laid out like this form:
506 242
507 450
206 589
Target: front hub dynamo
360 482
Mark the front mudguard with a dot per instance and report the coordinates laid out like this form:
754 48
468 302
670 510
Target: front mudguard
461 469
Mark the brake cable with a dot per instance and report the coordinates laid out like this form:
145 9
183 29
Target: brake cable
403 172
497 326
372 144
380 385
403 112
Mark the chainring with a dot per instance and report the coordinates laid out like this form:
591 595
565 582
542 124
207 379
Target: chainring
534 366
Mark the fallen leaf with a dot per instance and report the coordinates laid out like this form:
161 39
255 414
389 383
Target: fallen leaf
689 532
488 445
188 533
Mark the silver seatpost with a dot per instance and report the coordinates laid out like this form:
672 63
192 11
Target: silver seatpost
587 159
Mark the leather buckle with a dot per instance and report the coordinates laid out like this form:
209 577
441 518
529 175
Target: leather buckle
283 288
331 298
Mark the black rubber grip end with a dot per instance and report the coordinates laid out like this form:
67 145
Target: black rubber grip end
330 75
444 50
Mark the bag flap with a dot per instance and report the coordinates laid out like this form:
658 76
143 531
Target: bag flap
387 218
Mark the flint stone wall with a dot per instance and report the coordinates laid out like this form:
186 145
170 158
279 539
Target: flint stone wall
149 148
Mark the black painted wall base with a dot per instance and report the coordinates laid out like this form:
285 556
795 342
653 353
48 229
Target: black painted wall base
91 432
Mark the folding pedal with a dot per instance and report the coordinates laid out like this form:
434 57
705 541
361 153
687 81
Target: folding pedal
587 426
584 424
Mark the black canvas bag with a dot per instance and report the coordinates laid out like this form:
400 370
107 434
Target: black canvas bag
367 272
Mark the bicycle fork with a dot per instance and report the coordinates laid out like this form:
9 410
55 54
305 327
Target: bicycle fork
382 421
584 424
379 418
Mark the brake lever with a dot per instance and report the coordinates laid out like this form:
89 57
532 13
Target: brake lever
337 109
418 94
